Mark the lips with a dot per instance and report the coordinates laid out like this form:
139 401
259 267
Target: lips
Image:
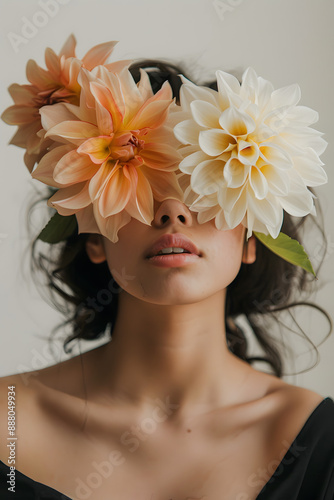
172 240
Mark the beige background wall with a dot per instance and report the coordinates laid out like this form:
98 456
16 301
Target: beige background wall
286 41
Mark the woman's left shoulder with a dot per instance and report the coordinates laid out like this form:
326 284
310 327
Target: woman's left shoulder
301 396
299 406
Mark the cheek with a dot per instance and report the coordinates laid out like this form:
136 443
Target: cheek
122 258
122 261
225 256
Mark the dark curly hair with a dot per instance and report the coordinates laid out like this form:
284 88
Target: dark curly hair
87 293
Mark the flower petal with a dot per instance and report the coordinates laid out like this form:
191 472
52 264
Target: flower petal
98 55
73 130
191 161
71 198
249 87
97 148
299 201
248 152
150 115
264 210
160 156
44 170
278 181
215 141
73 168
163 134
23 94
116 193
187 132
228 88
205 114
236 122
129 93
239 201
258 183
164 184
189 92
220 221
297 204
110 226
140 205
101 177
39 76
235 173
104 97
35 141
86 220
31 159
24 132
208 177
144 85
305 138
52 62
55 113
228 81
275 155
118 66
206 215
228 197
87 100
286 96
310 169
19 115
301 116
68 49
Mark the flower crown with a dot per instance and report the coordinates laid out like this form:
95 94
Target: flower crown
108 147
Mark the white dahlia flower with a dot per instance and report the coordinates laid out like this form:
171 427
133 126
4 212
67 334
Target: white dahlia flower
249 153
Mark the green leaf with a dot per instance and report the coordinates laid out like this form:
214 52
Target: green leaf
288 249
59 228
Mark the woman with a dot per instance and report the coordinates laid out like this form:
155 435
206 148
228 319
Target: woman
170 407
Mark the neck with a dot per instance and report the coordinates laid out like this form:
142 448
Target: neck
170 352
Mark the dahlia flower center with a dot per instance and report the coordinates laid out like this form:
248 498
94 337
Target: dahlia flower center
247 151
53 96
125 147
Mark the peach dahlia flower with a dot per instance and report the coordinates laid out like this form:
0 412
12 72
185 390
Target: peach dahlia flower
58 83
249 153
118 151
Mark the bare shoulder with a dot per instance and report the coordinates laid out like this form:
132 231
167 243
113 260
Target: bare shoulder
294 396
277 406
61 385
15 396
272 391
290 408
42 412
14 388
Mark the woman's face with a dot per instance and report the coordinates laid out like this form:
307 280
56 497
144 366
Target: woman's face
221 254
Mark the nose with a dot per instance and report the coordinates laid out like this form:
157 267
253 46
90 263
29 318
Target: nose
172 212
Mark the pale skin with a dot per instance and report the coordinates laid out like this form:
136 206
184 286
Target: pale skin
168 346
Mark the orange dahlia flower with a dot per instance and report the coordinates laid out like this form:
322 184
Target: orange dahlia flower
58 83
118 151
